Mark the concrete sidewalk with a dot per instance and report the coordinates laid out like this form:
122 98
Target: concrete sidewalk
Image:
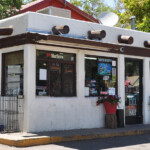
30 139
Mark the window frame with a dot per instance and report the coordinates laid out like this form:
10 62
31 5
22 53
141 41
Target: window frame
48 61
3 69
105 57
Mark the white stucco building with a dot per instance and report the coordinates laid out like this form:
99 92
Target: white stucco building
60 75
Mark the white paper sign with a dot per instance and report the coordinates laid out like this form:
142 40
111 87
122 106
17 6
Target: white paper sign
43 74
113 63
105 77
86 91
111 91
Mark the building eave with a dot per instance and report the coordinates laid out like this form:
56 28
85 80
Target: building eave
83 44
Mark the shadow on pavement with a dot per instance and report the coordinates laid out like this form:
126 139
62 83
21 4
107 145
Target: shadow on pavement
114 142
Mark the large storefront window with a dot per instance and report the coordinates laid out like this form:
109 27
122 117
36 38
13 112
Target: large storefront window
133 91
12 74
100 76
55 74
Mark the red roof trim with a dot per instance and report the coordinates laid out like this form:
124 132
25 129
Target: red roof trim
81 12
33 5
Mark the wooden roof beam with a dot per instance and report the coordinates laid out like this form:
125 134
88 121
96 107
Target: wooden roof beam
60 29
98 34
6 31
125 39
147 44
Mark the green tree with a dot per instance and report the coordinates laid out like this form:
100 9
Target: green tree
96 7
140 9
118 9
123 8
119 6
9 8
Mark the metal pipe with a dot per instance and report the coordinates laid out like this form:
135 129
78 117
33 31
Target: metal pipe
132 18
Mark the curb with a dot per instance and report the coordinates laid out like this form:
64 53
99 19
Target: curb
56 139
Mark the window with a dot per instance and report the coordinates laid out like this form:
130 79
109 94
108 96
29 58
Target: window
55 74
100 76
12 73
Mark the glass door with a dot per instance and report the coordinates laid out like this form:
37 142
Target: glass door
133 91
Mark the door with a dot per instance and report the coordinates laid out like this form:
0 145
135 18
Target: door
133 91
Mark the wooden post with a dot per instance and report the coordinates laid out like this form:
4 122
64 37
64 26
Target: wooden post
60 29
100 34
6 31
125 39
110 121
147 44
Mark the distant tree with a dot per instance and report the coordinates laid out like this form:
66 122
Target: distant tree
9 8
96 7
119 9
123 8
118 6
140 9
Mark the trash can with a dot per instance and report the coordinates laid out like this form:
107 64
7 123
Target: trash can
120 118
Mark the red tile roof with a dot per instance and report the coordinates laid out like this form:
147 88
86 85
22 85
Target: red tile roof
31 4
75 11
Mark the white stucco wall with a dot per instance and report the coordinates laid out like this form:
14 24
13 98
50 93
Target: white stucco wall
121 80
50 113
146 91
42 23
44 113
19 24
59 113
80 28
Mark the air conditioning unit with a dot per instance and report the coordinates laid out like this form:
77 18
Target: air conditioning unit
56 11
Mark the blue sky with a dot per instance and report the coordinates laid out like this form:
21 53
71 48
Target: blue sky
109 2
